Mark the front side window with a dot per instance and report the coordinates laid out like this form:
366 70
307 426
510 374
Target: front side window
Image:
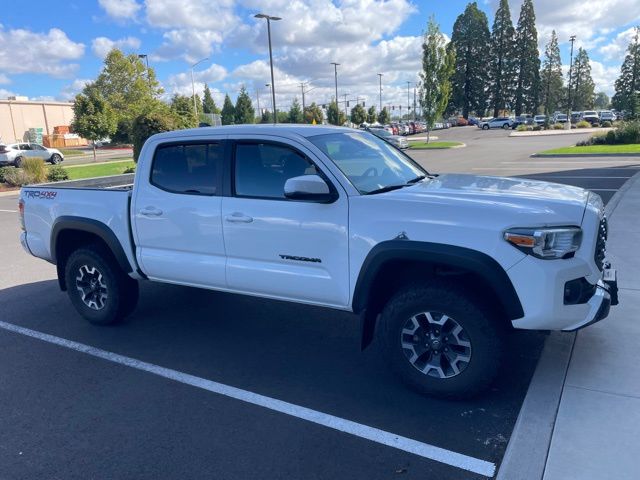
261 169
369 162
187 168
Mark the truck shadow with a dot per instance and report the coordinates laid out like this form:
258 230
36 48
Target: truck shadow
304 355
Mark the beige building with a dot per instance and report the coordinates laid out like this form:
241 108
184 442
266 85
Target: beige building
18 116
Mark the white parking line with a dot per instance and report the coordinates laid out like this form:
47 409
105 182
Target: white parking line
8 211
405 444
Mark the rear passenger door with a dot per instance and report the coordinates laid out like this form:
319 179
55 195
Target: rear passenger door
277 247
176 214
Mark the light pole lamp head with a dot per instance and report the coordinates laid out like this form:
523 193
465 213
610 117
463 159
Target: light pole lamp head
572 38
265 16
142 55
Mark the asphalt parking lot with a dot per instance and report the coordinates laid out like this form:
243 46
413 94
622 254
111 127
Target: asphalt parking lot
73 412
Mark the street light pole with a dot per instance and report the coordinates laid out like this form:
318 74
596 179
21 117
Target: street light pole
193 85
335 70
380 76
146 57
414 102
572 39
408 101
273 105
273 88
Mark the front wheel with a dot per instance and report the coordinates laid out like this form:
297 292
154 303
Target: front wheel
18 162
99 290
505 126
55 159
485 127
440 341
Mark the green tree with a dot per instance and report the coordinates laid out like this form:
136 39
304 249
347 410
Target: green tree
627 96
503 64
266 117
244 112
228 111
602 101
582 85
358 114
150 123
384 117
435 78
93 119
471 43
182 109
283 117
371 114
527 97
333 114
551 79
313 113
128 87
295 112
208 103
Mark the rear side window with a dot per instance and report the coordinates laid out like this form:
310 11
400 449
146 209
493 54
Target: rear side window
192 169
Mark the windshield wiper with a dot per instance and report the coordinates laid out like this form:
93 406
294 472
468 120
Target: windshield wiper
388 188
417 179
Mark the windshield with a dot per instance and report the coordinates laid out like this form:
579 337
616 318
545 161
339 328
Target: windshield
369 162
381 133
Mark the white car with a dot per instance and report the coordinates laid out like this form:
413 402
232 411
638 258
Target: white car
15 153
498 122
437 267
540 119
606 116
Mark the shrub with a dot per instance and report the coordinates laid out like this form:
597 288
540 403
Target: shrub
537 128
57 173
521 128
558 126
17 177
35 169
628 132
129 170
3 172
606 124
583 124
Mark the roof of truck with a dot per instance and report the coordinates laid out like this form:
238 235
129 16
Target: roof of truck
263 129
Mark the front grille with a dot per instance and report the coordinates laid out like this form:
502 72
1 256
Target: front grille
601 241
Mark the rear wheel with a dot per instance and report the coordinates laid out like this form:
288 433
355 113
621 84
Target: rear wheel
440 341
99 290
18 162
505 126
485 127
55 159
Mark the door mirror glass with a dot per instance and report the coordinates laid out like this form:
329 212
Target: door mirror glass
308 187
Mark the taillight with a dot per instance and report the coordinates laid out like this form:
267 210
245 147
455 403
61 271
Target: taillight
21 213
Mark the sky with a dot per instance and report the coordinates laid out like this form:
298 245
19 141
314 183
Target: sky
52 50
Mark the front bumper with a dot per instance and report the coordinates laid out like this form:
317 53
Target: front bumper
607 296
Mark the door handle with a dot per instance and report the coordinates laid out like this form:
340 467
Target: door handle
238 217
151 212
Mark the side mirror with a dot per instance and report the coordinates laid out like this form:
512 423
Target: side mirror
308 187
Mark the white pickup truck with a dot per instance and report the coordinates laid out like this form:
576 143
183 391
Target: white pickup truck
438 267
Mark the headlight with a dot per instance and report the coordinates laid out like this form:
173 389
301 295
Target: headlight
546 243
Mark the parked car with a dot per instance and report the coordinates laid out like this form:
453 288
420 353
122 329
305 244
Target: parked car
524 119
606 116
540 120
590 116
473 121
15 153
437 266
575 117
559 117
395 140
498 122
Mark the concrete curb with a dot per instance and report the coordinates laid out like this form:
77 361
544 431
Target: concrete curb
573 131
578 155
528 447
10 193
462 145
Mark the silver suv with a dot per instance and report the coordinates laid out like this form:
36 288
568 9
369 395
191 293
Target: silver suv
15 153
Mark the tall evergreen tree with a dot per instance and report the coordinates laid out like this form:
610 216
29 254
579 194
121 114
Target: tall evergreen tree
182 109
228 111
358 114
435 78
208 103
602 101
371 114
503 61
295 112
470 41
333 114
384 117
582 85
244 112
528 81
551 79
627 96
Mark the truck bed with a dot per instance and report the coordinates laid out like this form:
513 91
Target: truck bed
114 182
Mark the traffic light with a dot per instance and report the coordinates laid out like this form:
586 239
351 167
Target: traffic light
347 103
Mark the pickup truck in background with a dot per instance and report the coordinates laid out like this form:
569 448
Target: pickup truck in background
437 267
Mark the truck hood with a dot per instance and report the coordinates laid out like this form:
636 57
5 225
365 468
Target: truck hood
558 203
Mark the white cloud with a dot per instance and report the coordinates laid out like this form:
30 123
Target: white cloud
24 51
616 49
189 45
604 77
120 9
217 15
70 91
4 80
4 93
181 83
101 46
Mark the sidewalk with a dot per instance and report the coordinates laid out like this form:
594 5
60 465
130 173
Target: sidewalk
597 429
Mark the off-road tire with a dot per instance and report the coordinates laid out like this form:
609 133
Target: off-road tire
479 325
